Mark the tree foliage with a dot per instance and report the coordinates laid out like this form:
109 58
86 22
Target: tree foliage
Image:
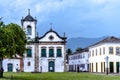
69 51
12 42
79 49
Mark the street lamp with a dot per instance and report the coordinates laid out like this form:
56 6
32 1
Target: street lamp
106 58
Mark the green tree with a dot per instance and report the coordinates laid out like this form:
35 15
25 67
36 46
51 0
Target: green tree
12 42
79 49
69 52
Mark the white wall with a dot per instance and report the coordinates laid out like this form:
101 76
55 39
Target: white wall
80 61
101 58
30 68
12 61
59 61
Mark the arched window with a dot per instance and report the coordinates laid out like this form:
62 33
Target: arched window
29 30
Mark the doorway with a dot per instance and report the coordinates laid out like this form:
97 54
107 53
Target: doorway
51 66
10 67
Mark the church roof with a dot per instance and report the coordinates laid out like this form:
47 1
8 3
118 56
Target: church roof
110 39
28 17
51 30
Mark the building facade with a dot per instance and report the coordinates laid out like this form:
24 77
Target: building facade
78 61
44 54
105 56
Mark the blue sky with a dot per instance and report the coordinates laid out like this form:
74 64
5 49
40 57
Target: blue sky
77 18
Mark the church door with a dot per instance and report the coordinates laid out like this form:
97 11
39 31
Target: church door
10 67
51 66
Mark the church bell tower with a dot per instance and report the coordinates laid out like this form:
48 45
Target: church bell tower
29 26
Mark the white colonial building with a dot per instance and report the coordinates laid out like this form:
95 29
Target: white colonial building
105 55
44 54
78 61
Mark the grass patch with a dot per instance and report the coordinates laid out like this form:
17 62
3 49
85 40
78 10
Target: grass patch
57 76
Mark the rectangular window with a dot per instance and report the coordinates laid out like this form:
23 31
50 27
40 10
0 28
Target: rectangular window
100 51
92 52
29 64
110 50
83 55
117 50
103 50
29 53
51 53
96 52
59 54
43 52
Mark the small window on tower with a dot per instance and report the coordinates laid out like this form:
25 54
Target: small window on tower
28 37
29 30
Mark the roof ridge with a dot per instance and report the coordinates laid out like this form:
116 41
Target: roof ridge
110 39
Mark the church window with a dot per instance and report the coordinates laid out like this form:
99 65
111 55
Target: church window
29 52
59 54
51 37
110 50
28 63
51 53
29 30
28 37
43 52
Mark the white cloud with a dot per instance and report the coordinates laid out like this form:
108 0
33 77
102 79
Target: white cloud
42 7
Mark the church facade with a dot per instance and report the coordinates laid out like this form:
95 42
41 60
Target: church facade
44 54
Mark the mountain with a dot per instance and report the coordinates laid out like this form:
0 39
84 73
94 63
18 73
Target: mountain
74 43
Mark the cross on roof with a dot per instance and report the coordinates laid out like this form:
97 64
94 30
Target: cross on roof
51 25
28 11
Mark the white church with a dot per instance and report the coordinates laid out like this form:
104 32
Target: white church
44 54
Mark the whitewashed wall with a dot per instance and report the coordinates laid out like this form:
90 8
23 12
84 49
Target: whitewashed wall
101 58
30 68
59 61
12 61
80 61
